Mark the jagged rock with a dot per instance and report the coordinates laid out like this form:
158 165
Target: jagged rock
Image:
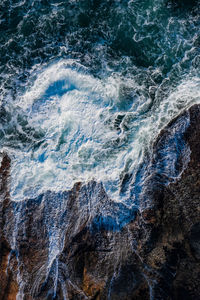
80 244
8 282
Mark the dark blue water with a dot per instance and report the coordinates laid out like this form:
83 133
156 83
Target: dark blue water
86 87
83 83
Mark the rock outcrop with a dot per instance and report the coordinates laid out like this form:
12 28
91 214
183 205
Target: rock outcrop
80 244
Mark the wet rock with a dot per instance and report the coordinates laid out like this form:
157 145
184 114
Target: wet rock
80 244
8 282
194 240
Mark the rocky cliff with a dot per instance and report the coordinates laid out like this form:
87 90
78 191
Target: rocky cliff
80 244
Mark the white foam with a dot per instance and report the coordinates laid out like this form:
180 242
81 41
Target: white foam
77 111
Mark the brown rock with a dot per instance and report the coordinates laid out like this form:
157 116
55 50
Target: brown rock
80 244
8 282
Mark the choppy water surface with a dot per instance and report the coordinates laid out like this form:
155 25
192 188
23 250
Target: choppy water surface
86 87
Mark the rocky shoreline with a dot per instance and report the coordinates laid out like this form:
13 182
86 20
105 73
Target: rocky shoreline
69 246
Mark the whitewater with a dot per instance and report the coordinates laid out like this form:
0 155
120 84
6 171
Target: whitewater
86 100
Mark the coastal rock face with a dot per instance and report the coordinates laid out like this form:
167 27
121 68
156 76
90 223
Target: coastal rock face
8 279
80 244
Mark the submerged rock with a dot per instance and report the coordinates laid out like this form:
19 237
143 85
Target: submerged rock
80 244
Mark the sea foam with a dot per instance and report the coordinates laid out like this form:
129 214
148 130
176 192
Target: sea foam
91 129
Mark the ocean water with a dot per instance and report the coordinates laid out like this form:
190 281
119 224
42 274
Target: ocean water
86 87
